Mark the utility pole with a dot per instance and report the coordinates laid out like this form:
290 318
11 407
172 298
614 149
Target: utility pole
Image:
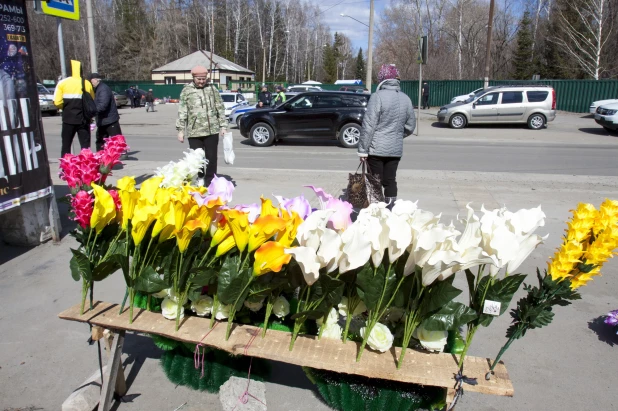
370 48
488 51
63 63
93 50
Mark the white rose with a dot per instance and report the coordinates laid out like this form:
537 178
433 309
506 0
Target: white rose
281 307
162 293
223 311
169 309
203 306
333 318
380 338
332 331
254 305
431 340
343 308
175 297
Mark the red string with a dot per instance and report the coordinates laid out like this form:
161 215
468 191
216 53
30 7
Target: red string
244 397
196 354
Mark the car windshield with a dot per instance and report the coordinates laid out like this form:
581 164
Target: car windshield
475 96
43 90
228 98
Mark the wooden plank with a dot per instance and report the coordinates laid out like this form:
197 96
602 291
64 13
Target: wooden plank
114 365
419 367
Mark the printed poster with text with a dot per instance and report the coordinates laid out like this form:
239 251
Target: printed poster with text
24 167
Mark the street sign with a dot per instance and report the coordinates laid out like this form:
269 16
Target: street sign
67 9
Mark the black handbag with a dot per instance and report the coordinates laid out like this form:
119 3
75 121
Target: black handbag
364 188
89 108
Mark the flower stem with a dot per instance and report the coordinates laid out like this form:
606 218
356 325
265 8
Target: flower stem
84 294
131 303
269 310
230 318
148 302
469 337
179 306
215 308
348 320
368 327
412 323
124 300
297 324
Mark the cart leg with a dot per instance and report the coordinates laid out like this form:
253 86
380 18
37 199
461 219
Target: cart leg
113 379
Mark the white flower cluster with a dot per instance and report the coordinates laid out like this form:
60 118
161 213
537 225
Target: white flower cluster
185 170
332 329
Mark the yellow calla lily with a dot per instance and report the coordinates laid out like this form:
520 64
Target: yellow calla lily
182 205
143 217
269 257
205 215
128 200
149 188
268 208
225 246
263 229
223 231
184 235
126 184
239 224
104 210
165 225
288 234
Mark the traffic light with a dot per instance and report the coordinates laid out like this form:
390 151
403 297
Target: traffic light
422 49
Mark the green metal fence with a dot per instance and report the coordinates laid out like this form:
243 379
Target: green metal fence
572 95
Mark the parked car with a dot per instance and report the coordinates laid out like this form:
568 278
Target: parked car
464 97
330 114
532 105
121 100
238 112
232 100
46 100
607 116
595 104
301 88
353 89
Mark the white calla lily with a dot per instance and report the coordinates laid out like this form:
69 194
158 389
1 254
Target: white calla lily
330 252
356 249
373 220
405 208
310 231
308 261
399 235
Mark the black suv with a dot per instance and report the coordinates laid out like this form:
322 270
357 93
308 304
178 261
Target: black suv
330 114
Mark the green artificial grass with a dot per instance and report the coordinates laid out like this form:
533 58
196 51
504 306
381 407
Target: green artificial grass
219 366
141 301
355 393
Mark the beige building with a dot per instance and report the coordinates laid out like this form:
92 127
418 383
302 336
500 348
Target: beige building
223 71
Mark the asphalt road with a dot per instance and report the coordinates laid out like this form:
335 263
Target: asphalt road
572 145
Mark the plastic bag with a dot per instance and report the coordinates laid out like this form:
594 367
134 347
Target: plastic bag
228 148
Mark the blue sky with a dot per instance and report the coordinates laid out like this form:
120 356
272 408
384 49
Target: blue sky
359 9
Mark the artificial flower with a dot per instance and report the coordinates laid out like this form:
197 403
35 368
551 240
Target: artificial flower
310 231
330 252
612 318
253 211
254 306
431 340
148 189
340 220
332 331
380 338
223 311
184 235
343 307
169 309
239 224
268 208
225 246
331 318
288 234
143 217
299 205
104 210
162 293
263 229
202 306
82 205
281 307
308 262
271 256
356 249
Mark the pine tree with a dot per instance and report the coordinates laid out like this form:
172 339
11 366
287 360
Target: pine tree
360 66
522 62
330 64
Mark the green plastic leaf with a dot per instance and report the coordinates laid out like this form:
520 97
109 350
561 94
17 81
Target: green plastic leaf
203 275
450 317
438 295
501 291
310 314
233 283
332 289
375 288
104 270
149 281
123 263
74 269
82 265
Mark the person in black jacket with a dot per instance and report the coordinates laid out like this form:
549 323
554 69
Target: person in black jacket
149 101
425 95
137 98
264 97
129 93
107 112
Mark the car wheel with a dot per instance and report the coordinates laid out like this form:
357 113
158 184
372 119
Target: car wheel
457 121
349 135
536 121
262 135
238 122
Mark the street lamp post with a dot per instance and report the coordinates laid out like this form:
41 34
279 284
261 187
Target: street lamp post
369 45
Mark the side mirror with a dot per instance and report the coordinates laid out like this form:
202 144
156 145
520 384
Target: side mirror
474 105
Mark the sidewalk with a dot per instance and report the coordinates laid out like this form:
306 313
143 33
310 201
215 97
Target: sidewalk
43 358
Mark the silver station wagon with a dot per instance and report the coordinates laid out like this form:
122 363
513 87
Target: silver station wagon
532 105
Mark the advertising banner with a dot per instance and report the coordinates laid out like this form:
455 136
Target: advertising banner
24 167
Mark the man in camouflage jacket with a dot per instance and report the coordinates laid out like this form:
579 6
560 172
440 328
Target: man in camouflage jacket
201 118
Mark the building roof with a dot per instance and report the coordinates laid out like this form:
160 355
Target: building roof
202 58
